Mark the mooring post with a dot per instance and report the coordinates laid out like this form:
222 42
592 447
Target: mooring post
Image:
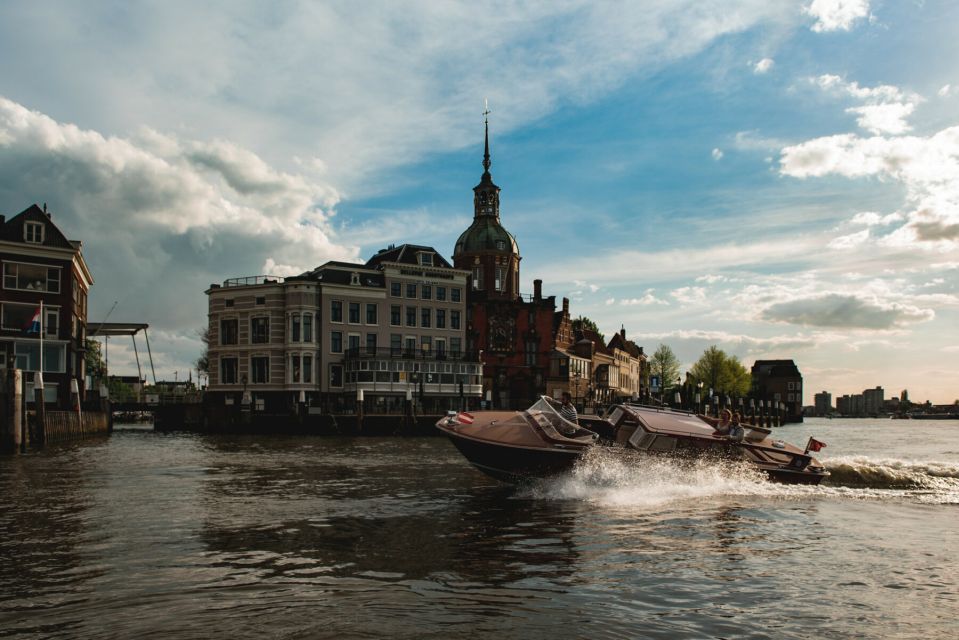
12 436
359 410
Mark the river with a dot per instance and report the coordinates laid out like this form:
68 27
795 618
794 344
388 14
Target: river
180 535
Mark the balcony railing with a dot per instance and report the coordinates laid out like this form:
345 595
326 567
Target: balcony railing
370 353
248 281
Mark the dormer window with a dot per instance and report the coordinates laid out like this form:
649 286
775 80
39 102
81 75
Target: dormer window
354 278
33 232
426 259
501 245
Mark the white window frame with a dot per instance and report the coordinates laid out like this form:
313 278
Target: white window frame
38 228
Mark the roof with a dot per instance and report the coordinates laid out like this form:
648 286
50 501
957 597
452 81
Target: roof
598 345
95 329
407 254
619 341
485 234
776 369
334 272
12 229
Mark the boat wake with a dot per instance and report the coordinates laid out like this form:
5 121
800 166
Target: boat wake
620 478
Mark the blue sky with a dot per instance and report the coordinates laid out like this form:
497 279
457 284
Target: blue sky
780 179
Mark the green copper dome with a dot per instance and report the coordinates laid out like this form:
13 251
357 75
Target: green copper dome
486 234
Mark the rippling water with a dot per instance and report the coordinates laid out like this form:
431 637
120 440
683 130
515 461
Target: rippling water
186 536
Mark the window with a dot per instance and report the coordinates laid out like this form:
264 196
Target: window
477 277
454 294
27 356
441 318
425 317
501 245
51 325
307 327
410 349
295 368
353 342
411 291
336 311
295 320
396 289
354 313
261 300
18 317
441 349
228 302
370 314
396 344
500 282
456 345
31 277
371 343
336 342
395 315
228 369
336 375
259 330
229 331
426 343
410 316
454 319
426 259
354 278
259 369
531 352
426 291
441 294
33 232
308 369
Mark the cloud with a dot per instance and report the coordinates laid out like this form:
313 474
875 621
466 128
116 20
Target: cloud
717 154
162 217
845 311
689 295
872 219
647 299
836 15
886 107
763 65
947 90
849 241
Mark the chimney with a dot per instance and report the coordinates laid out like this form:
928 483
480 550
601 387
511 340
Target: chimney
566 306
622 331
537 289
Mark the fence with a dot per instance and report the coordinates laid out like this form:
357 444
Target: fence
66 425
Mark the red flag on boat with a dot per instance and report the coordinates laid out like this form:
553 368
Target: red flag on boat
814 445
464 418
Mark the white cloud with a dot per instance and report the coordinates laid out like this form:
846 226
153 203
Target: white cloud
836 15
850 241
717 154
872 219
884 118
886 107
647 299
836 310
712 278
764 65
689 295
162 217
946 90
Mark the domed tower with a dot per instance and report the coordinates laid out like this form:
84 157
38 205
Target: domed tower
486 248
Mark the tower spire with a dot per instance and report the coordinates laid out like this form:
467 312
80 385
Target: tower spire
486 162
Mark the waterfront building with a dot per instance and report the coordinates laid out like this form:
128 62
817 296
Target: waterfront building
569 371
512 332
823 403
873 401
630 359
41 265
605 380
382 331
779 381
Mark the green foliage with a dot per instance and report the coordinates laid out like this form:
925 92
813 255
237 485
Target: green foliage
119 391
664 364
583 322
721 372
94 359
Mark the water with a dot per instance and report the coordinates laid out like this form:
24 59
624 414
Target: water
186 536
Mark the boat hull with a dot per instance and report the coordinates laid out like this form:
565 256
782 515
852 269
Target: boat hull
515 464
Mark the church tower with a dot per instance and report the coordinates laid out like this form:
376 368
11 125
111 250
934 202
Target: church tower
486 249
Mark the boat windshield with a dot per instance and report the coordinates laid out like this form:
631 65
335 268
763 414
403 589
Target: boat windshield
549 409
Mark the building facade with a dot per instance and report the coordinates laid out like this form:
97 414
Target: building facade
380 332
779 381
823 403
40 265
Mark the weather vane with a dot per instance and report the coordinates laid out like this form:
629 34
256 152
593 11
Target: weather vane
486 110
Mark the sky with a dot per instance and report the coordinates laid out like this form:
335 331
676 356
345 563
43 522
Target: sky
778 179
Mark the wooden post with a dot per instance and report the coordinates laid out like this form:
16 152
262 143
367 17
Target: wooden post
11 405
40 415
359 410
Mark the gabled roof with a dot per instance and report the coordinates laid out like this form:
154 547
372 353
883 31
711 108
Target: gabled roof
12 229
406 254
776 368
598 345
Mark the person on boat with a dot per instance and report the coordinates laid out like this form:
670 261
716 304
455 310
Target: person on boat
722 424
568 411
736 430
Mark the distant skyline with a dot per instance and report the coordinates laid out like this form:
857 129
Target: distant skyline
780 179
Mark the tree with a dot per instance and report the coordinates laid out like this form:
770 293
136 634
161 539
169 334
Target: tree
721 372
203 362
664 364
582 322
94 359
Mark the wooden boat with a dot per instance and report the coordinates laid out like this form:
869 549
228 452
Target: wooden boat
514 446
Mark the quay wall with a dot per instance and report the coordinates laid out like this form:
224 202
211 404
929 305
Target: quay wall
60 426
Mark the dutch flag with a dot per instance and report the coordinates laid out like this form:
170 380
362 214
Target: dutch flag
34 324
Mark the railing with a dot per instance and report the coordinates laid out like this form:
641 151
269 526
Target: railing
370 353
251 280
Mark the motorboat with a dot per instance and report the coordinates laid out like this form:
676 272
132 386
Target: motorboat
516 446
